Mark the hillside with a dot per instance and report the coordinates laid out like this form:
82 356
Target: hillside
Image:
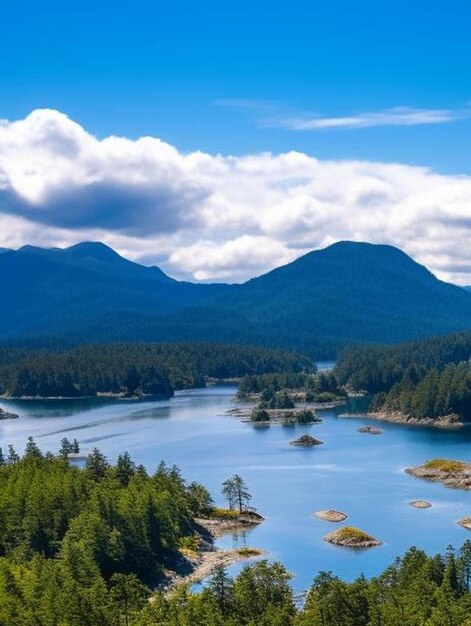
348 292
49 291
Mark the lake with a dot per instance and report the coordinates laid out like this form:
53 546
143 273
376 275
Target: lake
359 474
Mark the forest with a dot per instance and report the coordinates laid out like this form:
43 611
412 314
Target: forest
315 386
134 369
428 378
82 546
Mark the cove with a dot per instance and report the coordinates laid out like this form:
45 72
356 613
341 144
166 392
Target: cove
356 473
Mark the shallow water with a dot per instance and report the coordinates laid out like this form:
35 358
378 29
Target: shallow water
359 474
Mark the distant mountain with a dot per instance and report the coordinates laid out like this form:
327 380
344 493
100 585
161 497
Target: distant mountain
353 292
348 292
45 291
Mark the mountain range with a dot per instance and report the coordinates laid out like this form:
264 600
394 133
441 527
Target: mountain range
347 292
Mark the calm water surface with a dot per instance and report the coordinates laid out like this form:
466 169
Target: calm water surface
359 474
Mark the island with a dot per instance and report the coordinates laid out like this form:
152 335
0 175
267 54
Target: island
370 430
331 515
306 441
420 504
351 537
450 473
224 521
465 522
5 415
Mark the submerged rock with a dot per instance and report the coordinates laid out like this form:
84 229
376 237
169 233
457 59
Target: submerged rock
420 504
331 515
450 473
351 537
306 441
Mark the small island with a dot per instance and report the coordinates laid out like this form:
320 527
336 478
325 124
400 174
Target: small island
420 504
5 415
331 515
224 521
370 430
465 522
450 473
351 537
306 441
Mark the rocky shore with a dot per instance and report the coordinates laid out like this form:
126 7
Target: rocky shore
450 473
5 415
465 522
224 525
191 567
446 422
351 537
276 416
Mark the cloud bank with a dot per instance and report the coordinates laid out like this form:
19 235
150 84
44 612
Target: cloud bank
213 217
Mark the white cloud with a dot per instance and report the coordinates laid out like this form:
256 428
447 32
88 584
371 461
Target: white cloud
213 217
397 116
281 115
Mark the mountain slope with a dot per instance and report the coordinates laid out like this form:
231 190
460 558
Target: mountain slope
53 290
353 292
348 292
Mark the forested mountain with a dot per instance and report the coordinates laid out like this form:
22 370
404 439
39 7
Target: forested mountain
51 291
135 369
348 292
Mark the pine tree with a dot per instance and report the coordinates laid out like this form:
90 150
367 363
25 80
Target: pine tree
32 450
66 447
96 465
125 468
13 457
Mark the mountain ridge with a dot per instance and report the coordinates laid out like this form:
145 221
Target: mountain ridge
347 292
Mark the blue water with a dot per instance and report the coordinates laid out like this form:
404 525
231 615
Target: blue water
359 474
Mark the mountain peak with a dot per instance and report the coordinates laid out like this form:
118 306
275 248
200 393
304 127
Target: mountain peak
95 249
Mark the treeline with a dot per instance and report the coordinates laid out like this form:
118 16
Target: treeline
75 542
423 379
374 368
315 386
135 368
438 394
85 546
416 590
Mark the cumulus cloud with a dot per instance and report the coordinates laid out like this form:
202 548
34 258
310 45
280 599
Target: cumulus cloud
213 217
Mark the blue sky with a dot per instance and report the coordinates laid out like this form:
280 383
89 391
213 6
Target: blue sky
273 129
170 70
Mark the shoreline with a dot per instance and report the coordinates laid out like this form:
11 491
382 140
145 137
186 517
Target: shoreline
194 567
205 564
404 420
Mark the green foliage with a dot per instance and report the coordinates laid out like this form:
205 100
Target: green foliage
135 369
376 368
429 378
259 414
309 385
79 548
236 492
281 400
